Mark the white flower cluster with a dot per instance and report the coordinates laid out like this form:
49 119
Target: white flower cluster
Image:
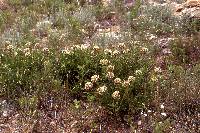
94 78
117 81
102 89
116 95
88 85
104 62
126 83
144 50
110 68
110 75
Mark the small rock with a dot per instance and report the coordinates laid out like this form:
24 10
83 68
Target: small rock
139 123
166 51
163 114
3 5
5 113
74 123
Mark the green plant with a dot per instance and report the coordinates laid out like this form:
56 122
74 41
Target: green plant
23 73
135 9
162 127
132 95
156 19
185 51
6 17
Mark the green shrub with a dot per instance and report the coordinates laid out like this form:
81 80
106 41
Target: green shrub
186 51
181 86
132 95
156 19
30 72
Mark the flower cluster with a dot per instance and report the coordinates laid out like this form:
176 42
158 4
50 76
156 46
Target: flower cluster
96 48
115 52
157 70
88 85
126 83
110 68
138 72
45 50
104 62
121 45
9 47
116 95
154 78
66 51
131 78
102 89
108 51
94 78
117 81
27 51
144 50
110 75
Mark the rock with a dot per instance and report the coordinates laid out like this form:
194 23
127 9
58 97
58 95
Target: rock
129 3
3 5
190 8
192 3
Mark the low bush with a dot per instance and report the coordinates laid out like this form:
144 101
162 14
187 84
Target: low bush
118 78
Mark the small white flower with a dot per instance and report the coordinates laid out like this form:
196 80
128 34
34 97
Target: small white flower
126 83
126 51
94 78
104 62
77 47
84 46
96 48
46 50
5 113
28 44
157 70
115 52
15 53
106 3
162 106
110 75
163 114
149 111
138 72
121 45
10 47
116 95
88 85
136 42
151 37
110 68
117 81
102 89
154 78
66 51
144 50
27 51
7 42
131 78
108 51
